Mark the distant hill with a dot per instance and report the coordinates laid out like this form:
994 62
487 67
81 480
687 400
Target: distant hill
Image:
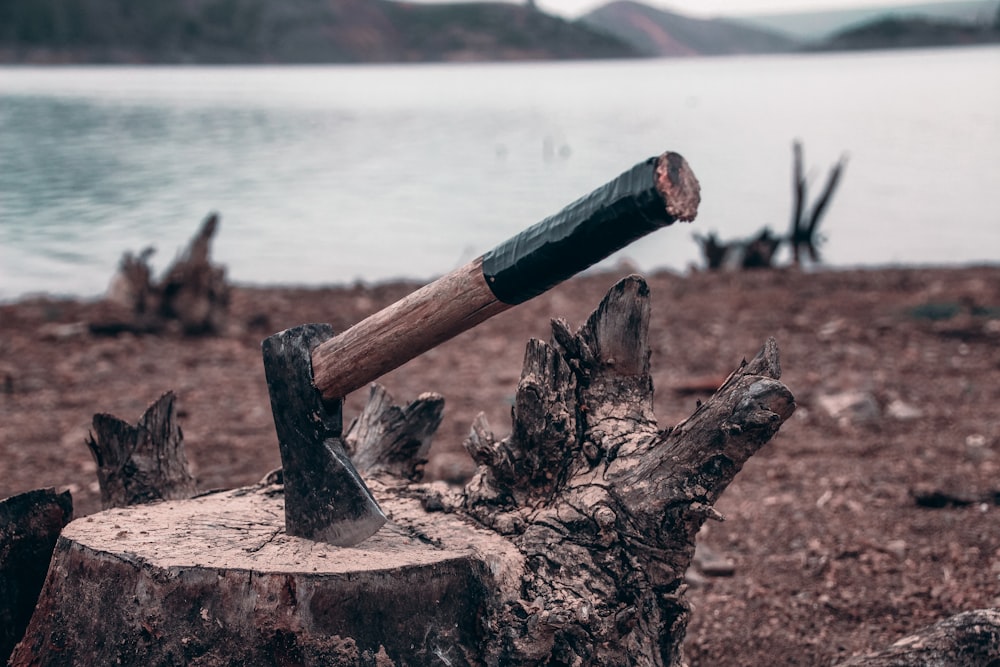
656 32
289 31
893 32
821 25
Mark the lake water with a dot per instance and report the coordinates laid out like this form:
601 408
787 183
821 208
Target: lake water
332 174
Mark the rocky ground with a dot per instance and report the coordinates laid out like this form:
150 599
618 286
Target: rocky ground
872 513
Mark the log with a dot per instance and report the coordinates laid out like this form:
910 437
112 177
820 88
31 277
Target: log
568 546
29 526
968 639
141 463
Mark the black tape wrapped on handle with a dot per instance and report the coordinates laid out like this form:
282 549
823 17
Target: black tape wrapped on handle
579 236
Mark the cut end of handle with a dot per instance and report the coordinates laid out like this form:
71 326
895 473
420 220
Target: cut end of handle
679 186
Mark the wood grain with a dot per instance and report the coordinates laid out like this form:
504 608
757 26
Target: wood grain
416 323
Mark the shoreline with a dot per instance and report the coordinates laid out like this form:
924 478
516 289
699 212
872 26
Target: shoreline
625 266
895 373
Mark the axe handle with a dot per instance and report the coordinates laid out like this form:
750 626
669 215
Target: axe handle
416 323
653 194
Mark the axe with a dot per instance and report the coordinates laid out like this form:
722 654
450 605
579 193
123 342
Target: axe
309 369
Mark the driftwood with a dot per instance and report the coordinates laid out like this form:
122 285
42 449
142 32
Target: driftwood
754 253
569 545
803 234
759 251
29 525
193 292
141 463
969 639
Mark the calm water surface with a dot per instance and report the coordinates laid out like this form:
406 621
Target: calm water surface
333 174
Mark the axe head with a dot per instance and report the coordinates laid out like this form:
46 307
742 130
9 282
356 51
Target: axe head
325 498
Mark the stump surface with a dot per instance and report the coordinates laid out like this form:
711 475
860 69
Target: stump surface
215 580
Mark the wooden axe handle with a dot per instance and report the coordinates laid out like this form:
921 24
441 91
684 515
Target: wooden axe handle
653 194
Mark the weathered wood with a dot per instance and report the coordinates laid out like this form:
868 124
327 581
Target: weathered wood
713 250
756 252
759 251
603 504
653 194
569 545
969 639
394 439
141 463
29 526
420 321
216 581
132 301
803 234
193 292
325 498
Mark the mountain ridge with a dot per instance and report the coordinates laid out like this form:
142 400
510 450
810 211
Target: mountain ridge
291 31
818 25
382 31
657 32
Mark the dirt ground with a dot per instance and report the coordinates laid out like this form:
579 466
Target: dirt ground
871 514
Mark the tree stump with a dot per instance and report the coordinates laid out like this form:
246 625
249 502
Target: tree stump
141 463
568 547
215 580
193 292
29 526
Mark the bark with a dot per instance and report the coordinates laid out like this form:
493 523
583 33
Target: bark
29 526
568 546
602 503
215 580
141 463
969 639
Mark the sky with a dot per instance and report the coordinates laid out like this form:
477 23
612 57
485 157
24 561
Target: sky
709 8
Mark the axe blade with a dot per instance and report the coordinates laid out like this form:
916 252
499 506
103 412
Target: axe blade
325 498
